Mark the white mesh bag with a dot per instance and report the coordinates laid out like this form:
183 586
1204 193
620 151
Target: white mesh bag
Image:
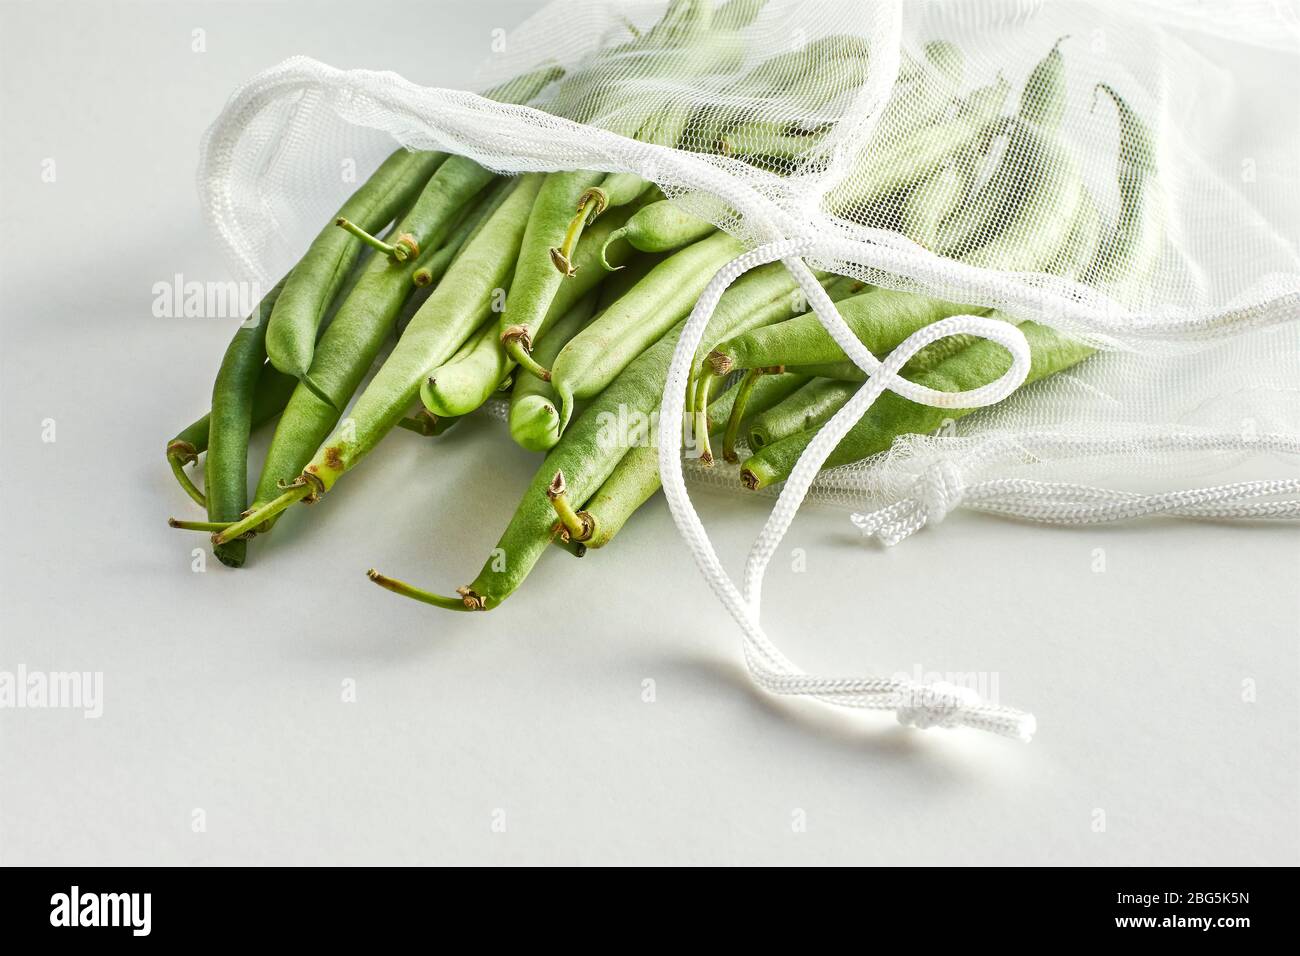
1122 174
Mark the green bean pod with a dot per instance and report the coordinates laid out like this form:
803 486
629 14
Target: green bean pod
537 277
311 287
797 75
1042 108
933 200
1126 258
892 415
1043 100
880 318
469 378
1037 230
230 423
534 411
270 395
758 287
807 408
595 356
659 227
587 453
636 477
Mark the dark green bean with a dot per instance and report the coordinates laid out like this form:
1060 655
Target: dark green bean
230 423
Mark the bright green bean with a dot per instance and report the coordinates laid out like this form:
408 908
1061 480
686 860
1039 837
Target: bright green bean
880 318
534 406
317 278
659 227
605 347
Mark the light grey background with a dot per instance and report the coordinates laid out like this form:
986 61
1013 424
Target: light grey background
223 688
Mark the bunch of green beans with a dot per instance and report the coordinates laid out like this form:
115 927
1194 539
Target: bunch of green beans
563 293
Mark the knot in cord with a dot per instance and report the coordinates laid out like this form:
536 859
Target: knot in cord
935 492
939 490
940 704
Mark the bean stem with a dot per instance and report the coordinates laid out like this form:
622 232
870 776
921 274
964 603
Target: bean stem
419 594
577 526
591 204
295 491
743 391
180 454
208 526
404 248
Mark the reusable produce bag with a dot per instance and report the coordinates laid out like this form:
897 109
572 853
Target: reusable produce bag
1191 406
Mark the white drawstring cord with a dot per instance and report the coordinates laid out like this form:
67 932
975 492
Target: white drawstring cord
1069 504
921 705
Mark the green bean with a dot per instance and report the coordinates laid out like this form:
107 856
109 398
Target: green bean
924 360
469 378
1080 248
659 227
815 90
767 283
536 277
1126 257
880 318
1038 229
595 356
586 455
650 116
1042 107
349 346
941 194
311 287
534 416
932 201
785 76
1043 100
636 477
615 189
269 398
807 408
892 415
433 265
743 298
226 465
